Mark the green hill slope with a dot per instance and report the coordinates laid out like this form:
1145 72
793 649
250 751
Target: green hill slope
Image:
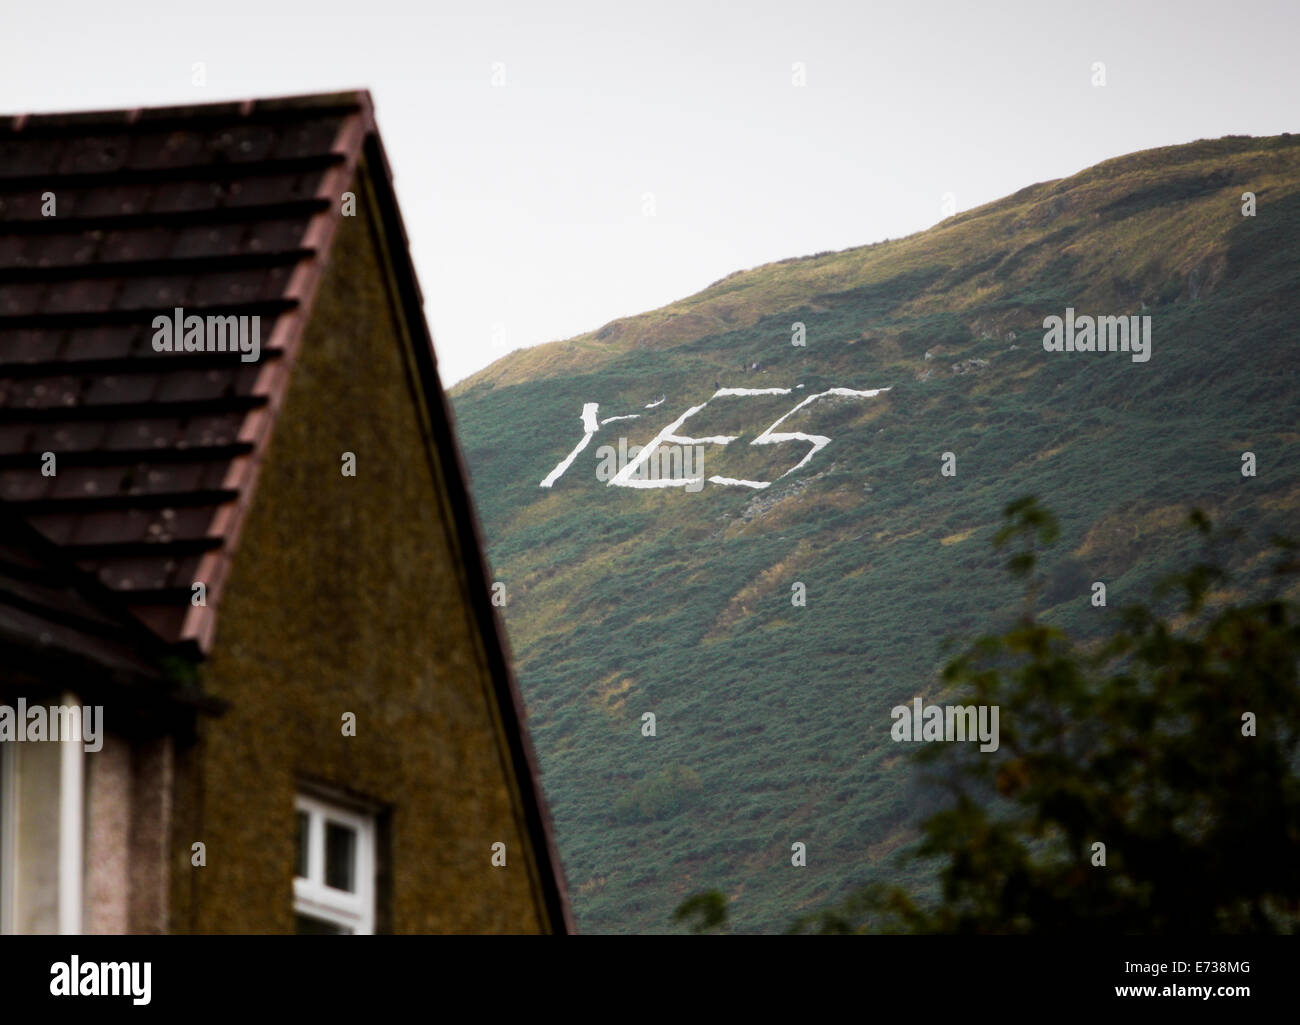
772 720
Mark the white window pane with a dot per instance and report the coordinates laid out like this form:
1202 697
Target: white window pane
36 843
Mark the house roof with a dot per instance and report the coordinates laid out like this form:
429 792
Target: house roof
109 219
225 209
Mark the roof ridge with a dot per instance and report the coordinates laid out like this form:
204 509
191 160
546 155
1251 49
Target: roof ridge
216 111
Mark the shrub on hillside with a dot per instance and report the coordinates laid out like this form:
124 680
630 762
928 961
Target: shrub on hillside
658 796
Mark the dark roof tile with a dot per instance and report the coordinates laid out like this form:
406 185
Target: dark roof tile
25 485
11 251
70 248
210 240
17 300
105 202
13 438
27 346
154 291
274 236
100 343
175 197
134 244
112 389
19 158
21 206
80 295
73 436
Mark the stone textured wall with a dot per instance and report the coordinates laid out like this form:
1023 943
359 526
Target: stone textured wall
106 889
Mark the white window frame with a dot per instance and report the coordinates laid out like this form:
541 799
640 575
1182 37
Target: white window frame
311 895
8 837
72 824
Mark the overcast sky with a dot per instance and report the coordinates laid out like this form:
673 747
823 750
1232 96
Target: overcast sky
527 201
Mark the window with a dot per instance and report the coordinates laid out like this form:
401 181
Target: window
334 884
41 835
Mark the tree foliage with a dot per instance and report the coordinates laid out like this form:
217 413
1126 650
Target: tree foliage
1172 742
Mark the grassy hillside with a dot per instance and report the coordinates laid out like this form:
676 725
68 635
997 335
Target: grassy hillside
773 720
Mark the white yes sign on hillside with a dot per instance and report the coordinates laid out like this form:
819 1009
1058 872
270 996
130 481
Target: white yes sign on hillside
626 477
